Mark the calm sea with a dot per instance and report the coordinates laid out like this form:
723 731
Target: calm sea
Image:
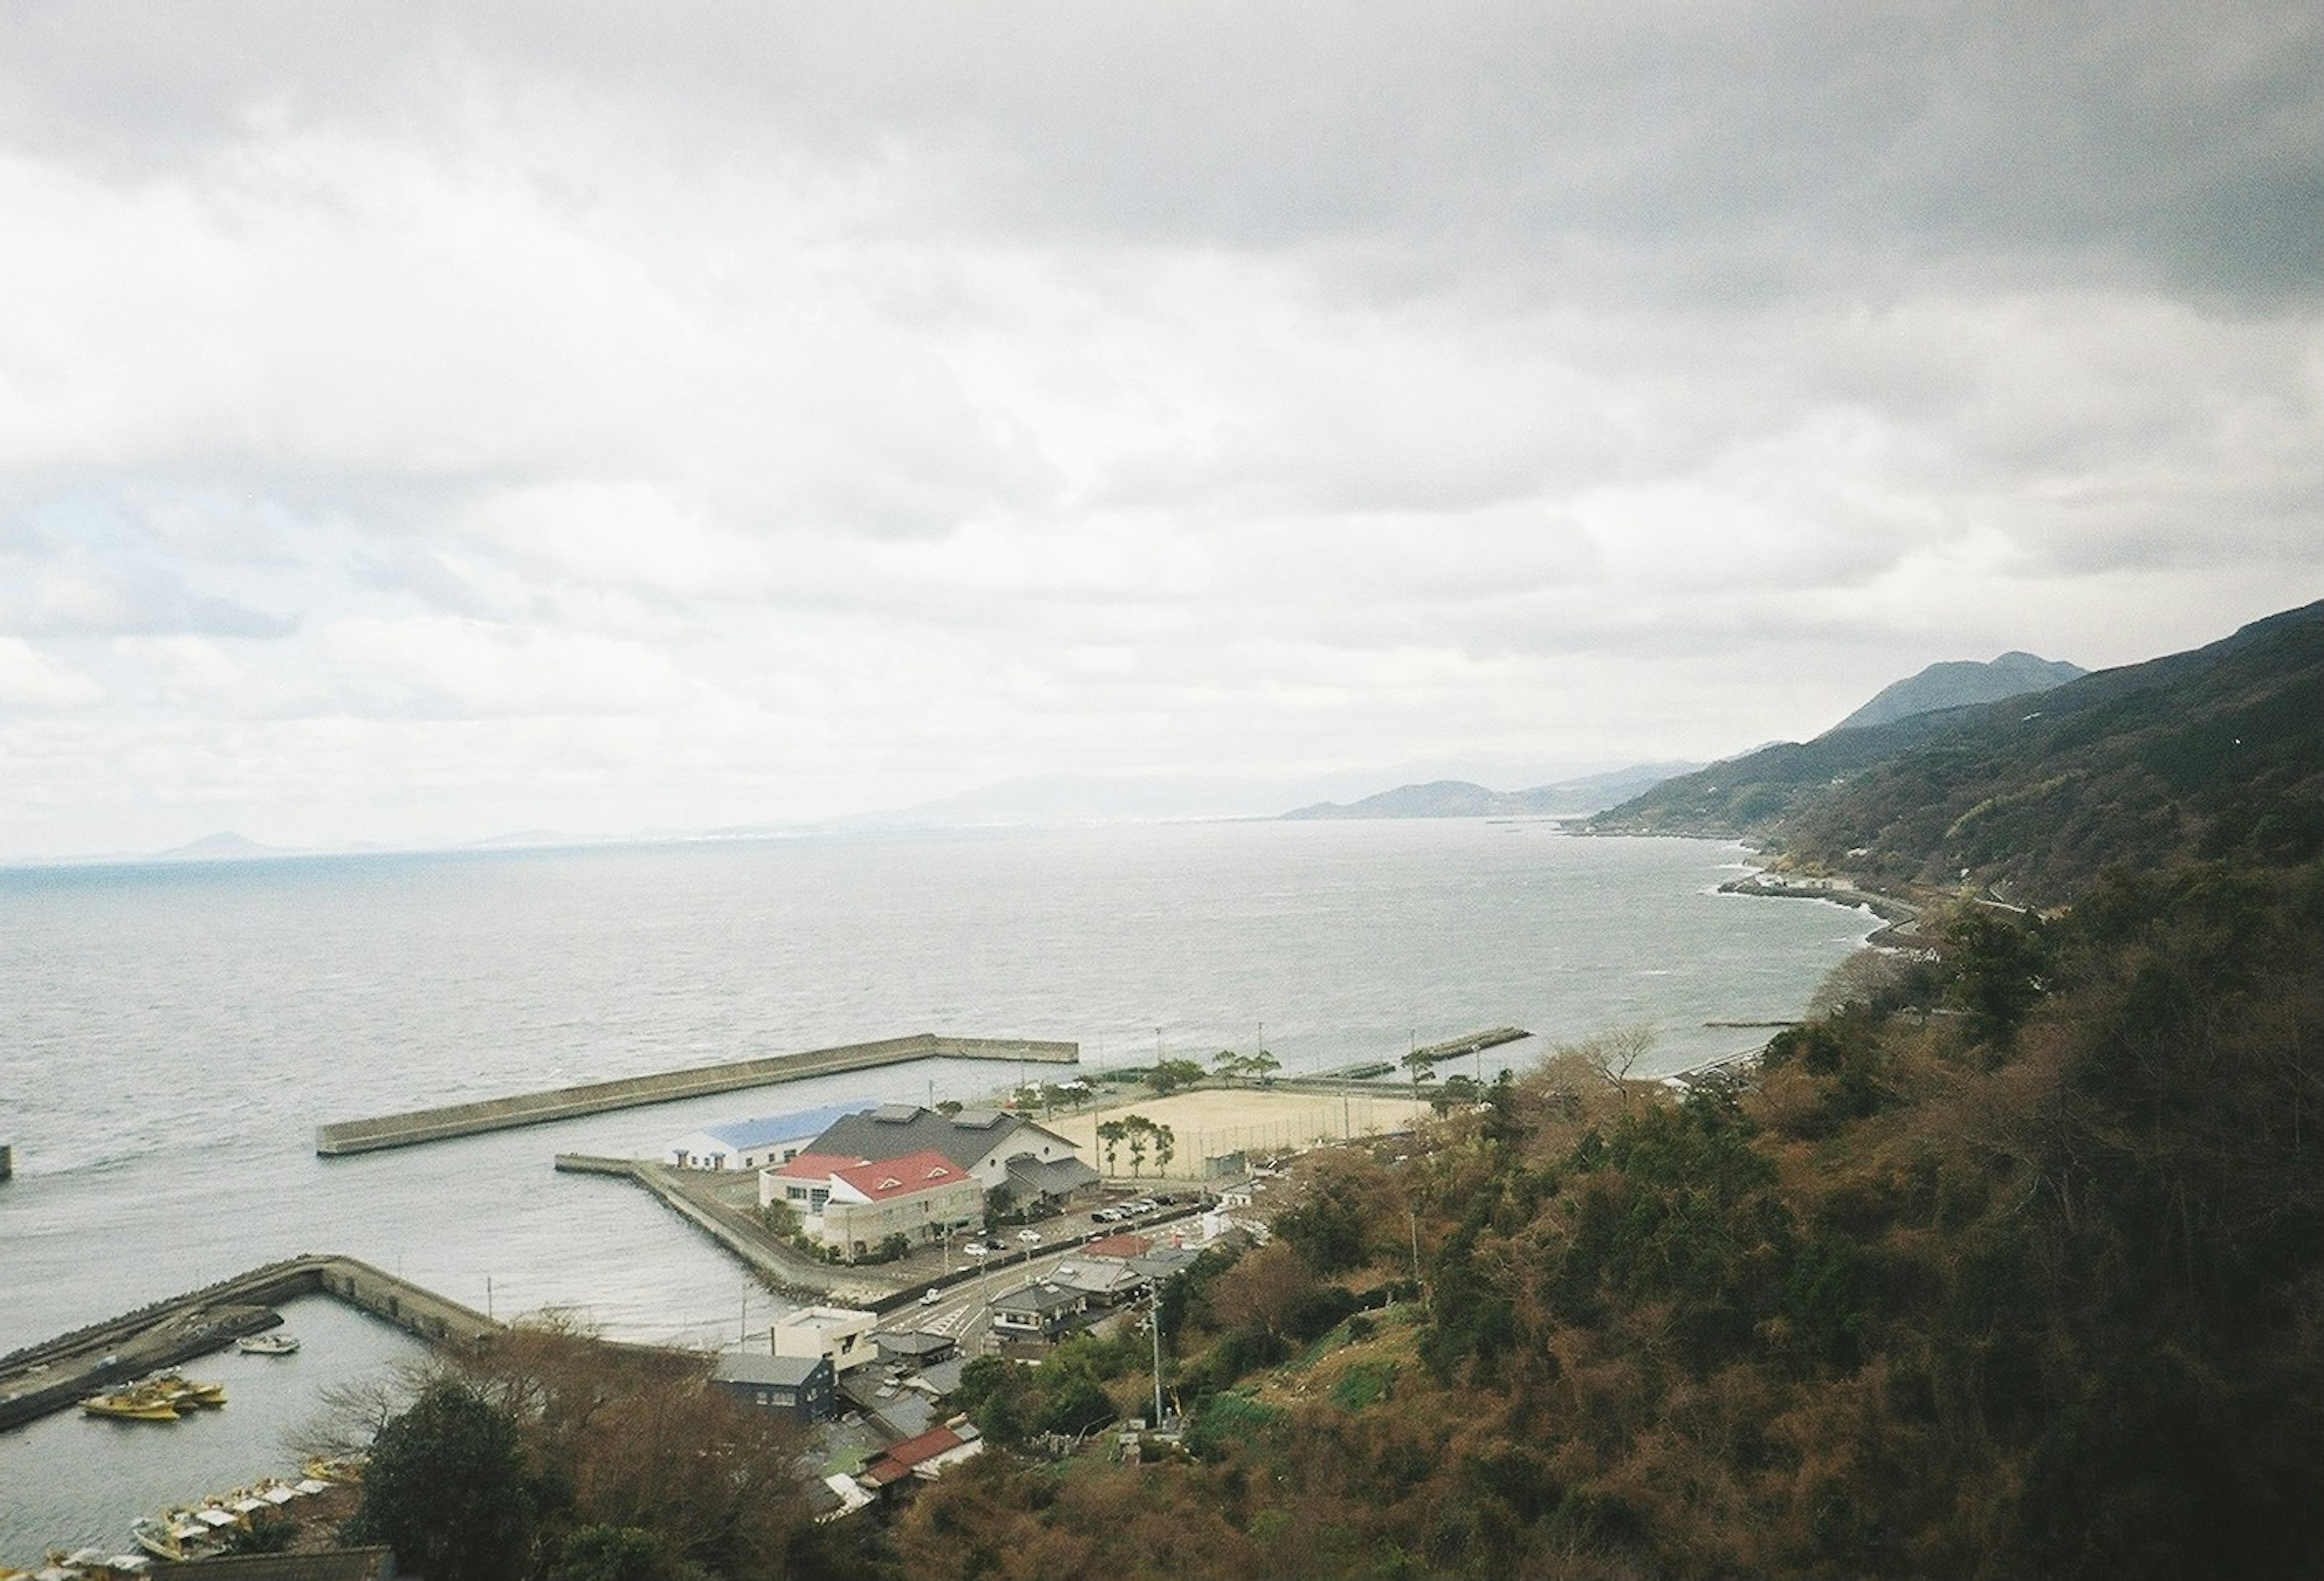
170 1035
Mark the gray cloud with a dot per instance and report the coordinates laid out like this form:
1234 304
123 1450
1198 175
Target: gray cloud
723 411
1734 150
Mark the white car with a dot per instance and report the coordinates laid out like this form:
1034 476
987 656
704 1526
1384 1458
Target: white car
1031 1237
979 1249
932 1298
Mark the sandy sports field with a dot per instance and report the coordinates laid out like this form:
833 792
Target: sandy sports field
1216 1121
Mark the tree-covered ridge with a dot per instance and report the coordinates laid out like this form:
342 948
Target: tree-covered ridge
2009 1264
2218 751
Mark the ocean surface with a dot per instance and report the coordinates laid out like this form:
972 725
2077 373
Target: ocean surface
170 1035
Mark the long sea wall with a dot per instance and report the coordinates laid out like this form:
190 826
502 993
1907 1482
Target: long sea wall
561 1103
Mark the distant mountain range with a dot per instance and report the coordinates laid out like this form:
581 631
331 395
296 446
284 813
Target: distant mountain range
223 847
1959 683
2218 751
1459 798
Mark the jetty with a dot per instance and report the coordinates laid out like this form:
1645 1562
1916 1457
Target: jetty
60 1372
414 1126
1453 1048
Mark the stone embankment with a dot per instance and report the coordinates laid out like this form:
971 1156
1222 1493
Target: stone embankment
61 1373
561 1103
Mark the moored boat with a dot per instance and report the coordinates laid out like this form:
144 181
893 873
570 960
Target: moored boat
275 1343
173 1534
136 1403
189 1393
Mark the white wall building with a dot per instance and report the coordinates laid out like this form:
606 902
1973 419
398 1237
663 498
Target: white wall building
841 1334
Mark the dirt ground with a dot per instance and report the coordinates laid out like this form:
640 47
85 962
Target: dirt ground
1221 1120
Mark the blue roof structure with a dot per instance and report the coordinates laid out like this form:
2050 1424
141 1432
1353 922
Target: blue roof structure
739 1134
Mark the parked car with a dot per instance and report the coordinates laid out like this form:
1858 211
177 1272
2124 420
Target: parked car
1031 1237
979 1249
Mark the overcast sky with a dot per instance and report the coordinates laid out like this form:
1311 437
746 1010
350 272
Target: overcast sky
419 422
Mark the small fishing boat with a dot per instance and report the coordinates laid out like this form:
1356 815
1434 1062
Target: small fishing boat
136 1403
275 1343
189 1393
173 1534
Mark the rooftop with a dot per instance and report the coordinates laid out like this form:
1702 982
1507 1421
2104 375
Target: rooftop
766 1128
897 1177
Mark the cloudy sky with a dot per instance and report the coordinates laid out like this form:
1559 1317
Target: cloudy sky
419 422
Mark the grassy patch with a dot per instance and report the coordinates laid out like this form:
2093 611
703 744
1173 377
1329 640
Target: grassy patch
1364 1384
1233 1416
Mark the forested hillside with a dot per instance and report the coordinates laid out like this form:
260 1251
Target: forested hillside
2009 1264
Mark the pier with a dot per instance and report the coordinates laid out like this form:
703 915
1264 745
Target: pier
60 1372
563 1103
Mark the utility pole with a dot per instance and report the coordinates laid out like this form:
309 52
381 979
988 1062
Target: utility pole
1156 1326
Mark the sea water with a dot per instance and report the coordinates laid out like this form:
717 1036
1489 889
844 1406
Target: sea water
170 1035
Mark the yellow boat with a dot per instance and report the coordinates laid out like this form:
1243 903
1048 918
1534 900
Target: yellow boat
132 1404
187 1394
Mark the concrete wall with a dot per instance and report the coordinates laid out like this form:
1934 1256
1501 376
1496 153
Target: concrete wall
561 1103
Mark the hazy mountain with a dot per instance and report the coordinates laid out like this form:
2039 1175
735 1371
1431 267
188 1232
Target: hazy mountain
1459 798
1960 683
1439 798
1069 798
223 847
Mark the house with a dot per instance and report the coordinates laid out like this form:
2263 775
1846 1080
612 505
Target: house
1031 1180
1107 1281
1039 1310
984 1142
840 1334
1165 1261
759 1143
803 1387
915 1349
861 1205
922 1459
804 1182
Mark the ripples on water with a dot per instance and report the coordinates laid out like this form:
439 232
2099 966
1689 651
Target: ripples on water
171 1035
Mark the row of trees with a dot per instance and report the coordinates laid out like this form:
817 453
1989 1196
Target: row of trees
1137 1136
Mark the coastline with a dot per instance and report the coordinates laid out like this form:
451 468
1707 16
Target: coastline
1902 917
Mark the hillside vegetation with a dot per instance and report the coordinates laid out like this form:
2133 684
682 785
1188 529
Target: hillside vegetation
2011 1264
2008 1263
2216 752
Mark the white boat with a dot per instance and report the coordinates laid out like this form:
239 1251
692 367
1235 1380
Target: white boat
276 1343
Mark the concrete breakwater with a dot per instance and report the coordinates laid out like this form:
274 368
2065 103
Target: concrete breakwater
561 1103
60 1372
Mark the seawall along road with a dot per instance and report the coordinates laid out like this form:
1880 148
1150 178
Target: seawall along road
561 1103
